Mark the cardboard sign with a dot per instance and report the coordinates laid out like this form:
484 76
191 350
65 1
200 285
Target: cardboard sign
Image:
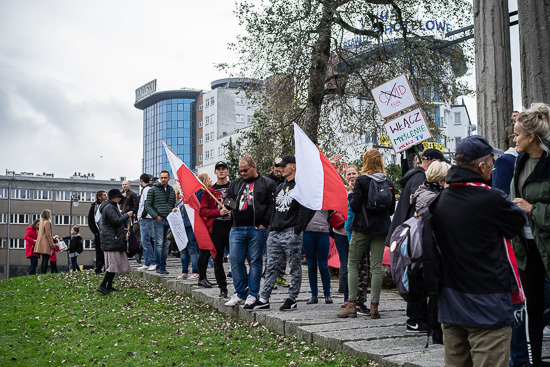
408 130
394 96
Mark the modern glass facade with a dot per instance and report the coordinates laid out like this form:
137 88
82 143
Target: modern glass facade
172 120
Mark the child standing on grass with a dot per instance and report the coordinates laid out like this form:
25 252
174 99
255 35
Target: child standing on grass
75 247
53 258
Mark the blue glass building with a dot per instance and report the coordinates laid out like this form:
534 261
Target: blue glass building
168 116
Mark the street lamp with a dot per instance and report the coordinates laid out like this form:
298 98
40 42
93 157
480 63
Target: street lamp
74 202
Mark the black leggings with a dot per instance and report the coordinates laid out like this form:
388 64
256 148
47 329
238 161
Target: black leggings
34 265
108 280
44 263
74 264
202 263
532 280
53 267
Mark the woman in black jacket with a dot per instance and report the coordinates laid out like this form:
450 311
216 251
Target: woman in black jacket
113 240
370 227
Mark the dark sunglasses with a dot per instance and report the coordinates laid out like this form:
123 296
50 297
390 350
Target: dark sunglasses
243 170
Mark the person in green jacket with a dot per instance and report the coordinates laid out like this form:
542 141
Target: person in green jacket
161 199
530 190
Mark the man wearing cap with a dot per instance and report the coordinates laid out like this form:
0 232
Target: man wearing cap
276 173
509 135
413 179
253 196
219 222
161 199
470 220
284 242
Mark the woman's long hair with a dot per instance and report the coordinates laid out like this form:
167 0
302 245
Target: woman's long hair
372 162
46 214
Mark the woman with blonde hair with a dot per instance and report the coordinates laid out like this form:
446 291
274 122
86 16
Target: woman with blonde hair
435 182
530 190
369 229
44 242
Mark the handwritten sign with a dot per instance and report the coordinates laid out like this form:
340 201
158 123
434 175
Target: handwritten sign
384 140
407 130
394 96
434 145
178 229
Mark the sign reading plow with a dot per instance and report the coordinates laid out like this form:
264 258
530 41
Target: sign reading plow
394 96
407 130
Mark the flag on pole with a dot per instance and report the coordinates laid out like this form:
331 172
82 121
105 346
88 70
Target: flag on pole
189 184
318 184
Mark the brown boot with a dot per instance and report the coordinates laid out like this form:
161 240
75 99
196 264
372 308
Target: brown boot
349 311
374 314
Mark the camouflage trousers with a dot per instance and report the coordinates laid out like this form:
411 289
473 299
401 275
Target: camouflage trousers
282 246
364 278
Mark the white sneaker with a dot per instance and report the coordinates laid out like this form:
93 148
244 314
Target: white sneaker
143 267
234 301
250 300
152 267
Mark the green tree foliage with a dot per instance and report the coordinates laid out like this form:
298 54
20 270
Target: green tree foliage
321 58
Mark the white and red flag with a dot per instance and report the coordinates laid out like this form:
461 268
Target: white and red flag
189 184
318 184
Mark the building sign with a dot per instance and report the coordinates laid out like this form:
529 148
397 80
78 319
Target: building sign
407 130
394 96
146 90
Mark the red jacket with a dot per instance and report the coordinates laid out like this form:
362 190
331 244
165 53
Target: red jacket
53 257
209 209
30 236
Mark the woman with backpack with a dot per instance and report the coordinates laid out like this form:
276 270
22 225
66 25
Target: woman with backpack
373 202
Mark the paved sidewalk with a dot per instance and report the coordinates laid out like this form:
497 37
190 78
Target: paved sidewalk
384 340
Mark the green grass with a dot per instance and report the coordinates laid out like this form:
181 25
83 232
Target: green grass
60 319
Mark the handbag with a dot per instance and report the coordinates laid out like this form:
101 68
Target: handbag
132 244
337 220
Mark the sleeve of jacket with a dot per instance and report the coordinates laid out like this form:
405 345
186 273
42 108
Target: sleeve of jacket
48 234
271 187
72 244
509 218
304 215
540 214
206 206
151 194
28 236
112 217
356 197
91 220
392 186
136 203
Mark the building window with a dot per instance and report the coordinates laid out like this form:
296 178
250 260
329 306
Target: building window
200 124
3 218
207 155
239 101
200 140
207 120
3 242
63 196
200 107
81 220
87 244
3 193
20 194
212 136
212 153
61 220
207 138
220 151
17 243
42 195
200 157
457 118
212 101
19 219
207 102
34 217
457 140
240 118
248 118
211 119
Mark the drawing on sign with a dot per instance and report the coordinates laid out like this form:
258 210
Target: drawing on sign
394 96
407 130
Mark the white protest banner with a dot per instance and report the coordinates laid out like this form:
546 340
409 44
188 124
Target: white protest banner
178 229
394 96
407 130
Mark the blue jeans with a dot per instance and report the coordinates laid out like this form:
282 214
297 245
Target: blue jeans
191 251
316 246
160 229
342 245
245 241
145 230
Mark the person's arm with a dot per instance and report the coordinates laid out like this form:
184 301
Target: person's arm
48 234
113 217
206 206
150 202
28 236
91 220
270 202
135 201
355 198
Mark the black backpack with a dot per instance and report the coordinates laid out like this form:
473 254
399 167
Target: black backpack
79 246
380 197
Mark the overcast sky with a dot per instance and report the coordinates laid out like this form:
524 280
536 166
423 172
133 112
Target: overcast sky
69 69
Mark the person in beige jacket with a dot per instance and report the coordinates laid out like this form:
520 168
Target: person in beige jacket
44 242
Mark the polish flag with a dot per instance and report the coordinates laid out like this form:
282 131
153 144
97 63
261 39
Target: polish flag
188 184
318 184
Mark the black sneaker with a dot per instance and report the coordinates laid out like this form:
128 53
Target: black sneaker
417 327
289 305
102 290
363 310
259 305
223 293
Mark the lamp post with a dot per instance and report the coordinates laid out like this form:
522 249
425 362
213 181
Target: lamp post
74 202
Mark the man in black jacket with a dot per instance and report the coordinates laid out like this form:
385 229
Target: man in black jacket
284 242
94 223
470 221
129 200
253 195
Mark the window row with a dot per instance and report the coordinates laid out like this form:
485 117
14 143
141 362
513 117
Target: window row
25 194
19 243
209 154
209 101
26 219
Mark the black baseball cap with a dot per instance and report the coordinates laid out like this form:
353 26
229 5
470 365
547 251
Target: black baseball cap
286 160
432 153
220 163
474 147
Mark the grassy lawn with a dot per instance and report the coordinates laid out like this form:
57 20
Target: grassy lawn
60 319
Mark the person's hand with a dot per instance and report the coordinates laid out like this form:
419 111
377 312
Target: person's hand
224 212
335 158
526 206
175 209
158 218
261 226
130 213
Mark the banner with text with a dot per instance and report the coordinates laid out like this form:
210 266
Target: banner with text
394 96
384 140
407 130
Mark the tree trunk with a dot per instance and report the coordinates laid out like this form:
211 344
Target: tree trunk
534 41
493 68
318 74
